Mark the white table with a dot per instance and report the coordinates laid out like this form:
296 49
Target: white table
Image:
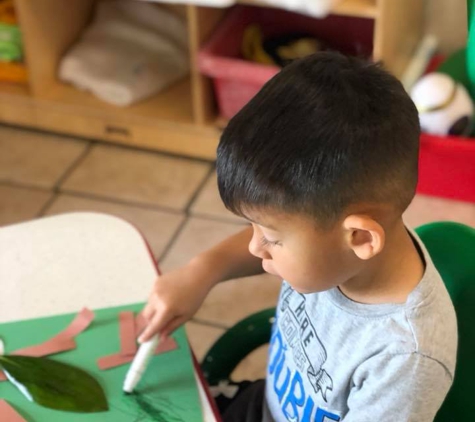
59 264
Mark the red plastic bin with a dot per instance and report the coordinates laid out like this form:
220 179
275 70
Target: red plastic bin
446 163
447 167
236 80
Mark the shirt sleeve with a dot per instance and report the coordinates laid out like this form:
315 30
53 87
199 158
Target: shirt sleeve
400 388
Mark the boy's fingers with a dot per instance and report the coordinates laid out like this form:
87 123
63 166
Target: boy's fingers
153 327
148 311
172 326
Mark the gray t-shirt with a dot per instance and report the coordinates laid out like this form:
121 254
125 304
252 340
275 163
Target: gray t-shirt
332 359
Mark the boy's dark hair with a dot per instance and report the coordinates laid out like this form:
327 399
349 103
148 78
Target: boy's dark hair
326 132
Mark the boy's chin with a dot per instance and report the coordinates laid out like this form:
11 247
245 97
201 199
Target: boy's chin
268 268
306 289
303 291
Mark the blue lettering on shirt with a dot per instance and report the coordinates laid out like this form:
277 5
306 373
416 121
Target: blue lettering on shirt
299 342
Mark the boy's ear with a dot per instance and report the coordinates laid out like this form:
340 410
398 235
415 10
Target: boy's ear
364 236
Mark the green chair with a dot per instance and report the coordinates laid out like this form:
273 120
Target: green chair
452 248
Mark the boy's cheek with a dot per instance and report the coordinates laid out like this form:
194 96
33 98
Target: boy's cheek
308 278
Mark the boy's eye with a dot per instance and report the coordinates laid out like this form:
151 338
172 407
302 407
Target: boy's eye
267 242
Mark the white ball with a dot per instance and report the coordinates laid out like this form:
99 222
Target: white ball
445 107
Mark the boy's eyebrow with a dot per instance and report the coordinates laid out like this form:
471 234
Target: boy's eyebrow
267 226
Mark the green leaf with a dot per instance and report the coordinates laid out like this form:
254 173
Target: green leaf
54 384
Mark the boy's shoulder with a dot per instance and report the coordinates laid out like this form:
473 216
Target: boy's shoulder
425 325
432 318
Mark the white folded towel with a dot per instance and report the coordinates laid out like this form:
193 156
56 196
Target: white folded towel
131 51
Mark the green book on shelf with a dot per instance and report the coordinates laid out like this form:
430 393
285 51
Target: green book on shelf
11 46
167 391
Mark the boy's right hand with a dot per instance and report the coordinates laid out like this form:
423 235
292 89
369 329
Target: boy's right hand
177 295
175 298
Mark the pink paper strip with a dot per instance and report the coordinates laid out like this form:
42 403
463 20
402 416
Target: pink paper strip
128 344
79 324
117 359
8 413
49 347
59 343
82 320
140 324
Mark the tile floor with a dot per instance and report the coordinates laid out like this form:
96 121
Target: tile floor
172 200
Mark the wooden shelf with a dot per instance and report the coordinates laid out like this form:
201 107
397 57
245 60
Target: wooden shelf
14 89
15 104
356 8
164 121
182 119
170 105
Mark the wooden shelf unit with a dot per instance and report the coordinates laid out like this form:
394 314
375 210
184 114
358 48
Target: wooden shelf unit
357 8
183 118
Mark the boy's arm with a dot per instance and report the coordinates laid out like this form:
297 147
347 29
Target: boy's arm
405 388
228 260
177 295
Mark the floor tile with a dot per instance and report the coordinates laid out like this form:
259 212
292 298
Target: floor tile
138 176
425 209
202 337
158 227
209 203
34 158
21 204
253 366
197 236
233 300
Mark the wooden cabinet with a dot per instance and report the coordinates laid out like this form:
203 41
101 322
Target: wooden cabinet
181 119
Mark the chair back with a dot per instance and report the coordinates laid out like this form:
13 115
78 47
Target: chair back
452 249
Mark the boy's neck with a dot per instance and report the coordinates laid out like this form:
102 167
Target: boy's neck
392 275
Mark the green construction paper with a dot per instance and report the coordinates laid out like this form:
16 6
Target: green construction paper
167 392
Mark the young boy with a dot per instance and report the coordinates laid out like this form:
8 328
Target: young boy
323 162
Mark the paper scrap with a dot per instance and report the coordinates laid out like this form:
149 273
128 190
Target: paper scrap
129 329
59 343
78 325
140 324
49 347
8 413
111 361
128 342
